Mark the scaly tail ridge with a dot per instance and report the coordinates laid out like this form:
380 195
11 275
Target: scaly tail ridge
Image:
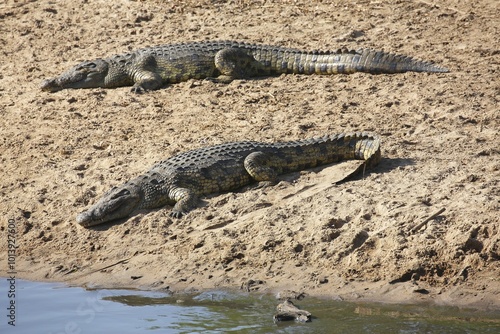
375 62
344 61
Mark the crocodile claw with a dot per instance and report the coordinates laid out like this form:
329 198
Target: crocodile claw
177 214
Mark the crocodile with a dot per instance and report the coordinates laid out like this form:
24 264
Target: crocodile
180 180
151 67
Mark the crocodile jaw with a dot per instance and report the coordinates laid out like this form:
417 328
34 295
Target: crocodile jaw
89 74
117 203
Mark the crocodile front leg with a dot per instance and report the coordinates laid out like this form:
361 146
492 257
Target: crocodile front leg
186 200
234 63
145 74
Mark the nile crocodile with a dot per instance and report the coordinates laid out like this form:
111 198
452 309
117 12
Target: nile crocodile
151 67
181 179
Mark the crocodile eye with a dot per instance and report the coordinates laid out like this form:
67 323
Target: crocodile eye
123 192
86 67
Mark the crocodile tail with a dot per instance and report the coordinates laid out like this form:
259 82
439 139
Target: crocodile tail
344 61
366 147
373 61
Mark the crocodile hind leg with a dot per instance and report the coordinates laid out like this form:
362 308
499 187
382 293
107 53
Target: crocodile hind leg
257 164
234 63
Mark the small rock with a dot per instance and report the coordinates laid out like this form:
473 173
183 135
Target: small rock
298 248
288 311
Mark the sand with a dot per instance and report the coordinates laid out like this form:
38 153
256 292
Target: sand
383 236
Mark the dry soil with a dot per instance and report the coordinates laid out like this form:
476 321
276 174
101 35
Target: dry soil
367 239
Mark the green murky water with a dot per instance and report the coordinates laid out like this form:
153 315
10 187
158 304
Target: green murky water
56 308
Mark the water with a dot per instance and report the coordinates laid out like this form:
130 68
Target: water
55 309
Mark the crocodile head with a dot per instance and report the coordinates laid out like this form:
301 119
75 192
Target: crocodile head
89 74
119 202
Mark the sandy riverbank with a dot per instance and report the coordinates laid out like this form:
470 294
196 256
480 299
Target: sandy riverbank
362 239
